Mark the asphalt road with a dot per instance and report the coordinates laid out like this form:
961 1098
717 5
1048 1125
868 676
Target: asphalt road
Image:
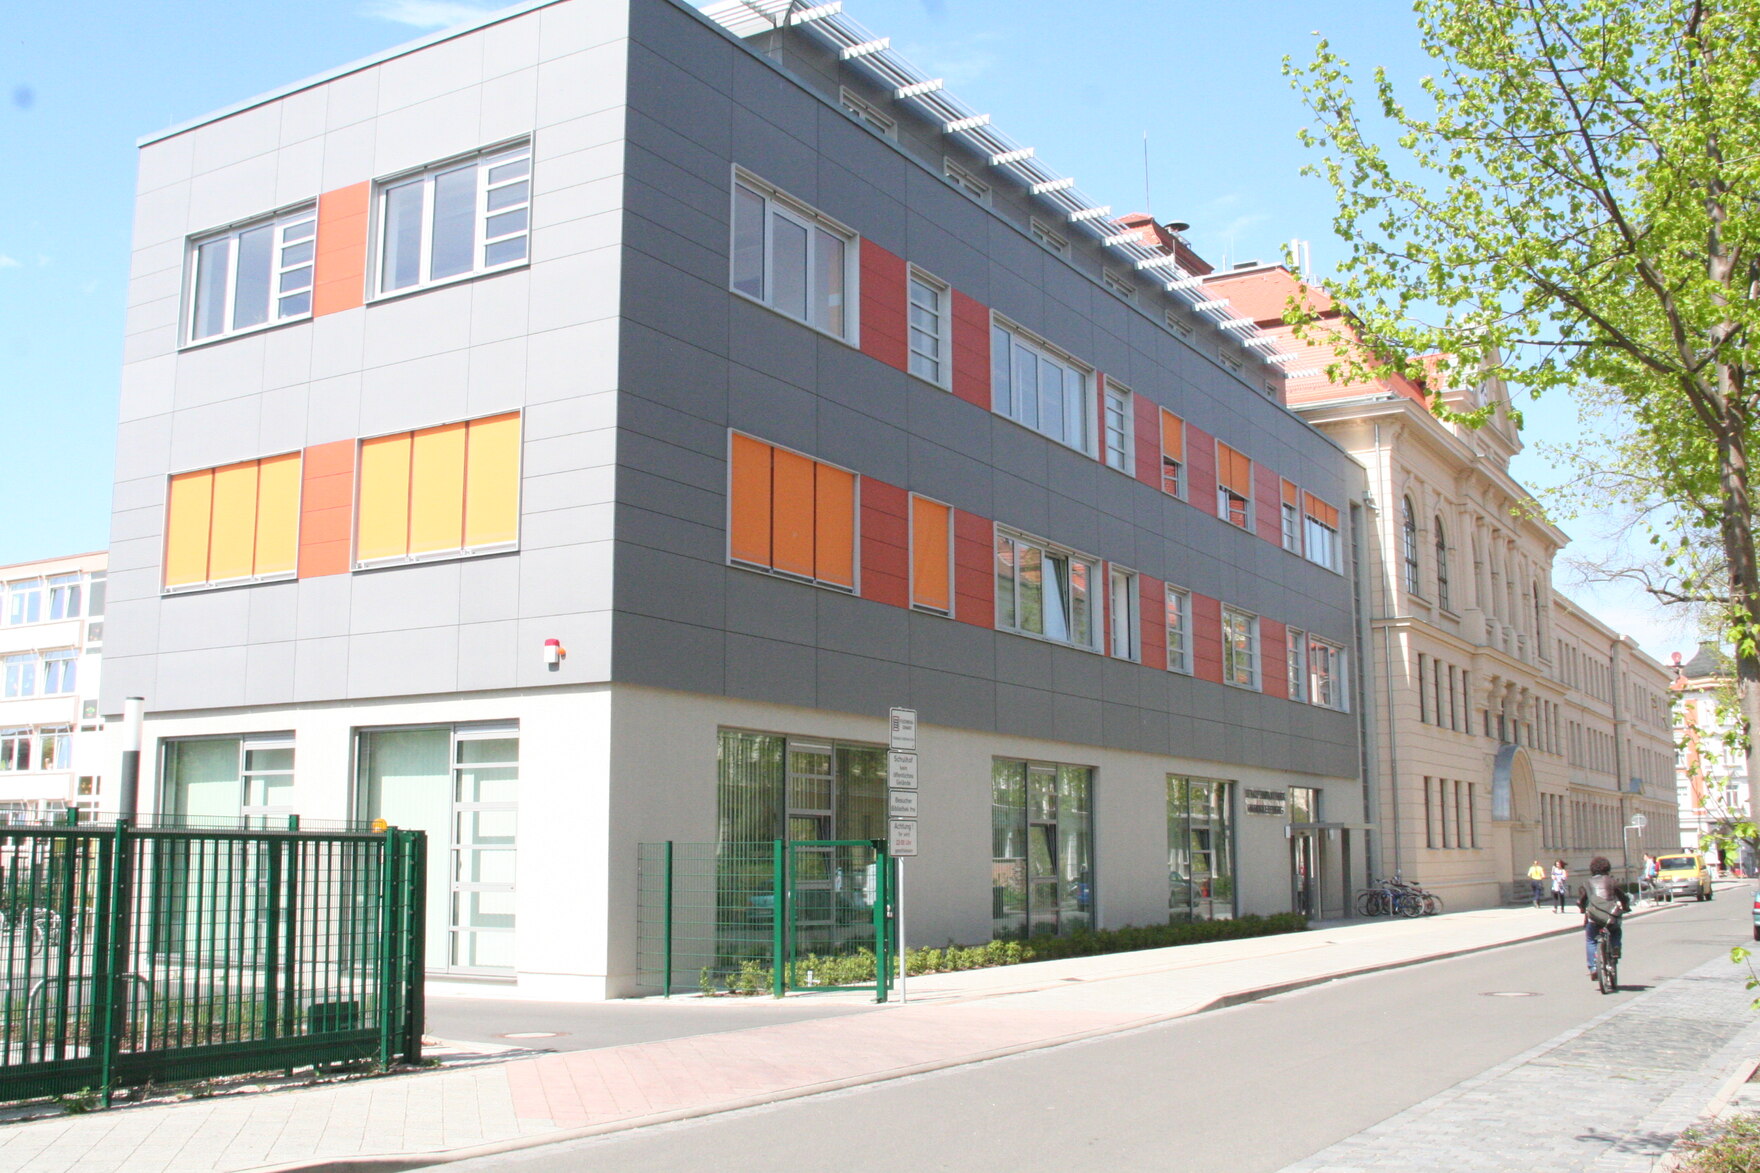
1235 1091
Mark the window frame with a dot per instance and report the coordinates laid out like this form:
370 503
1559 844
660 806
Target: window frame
1296 663
298 510
408 557
1114 394
1232 506
964 180
280 222
811 221
1408 544
1232 652
942 334
1320 541
854 586
1048 238
1291 518
1003 399
1047 549
482 161
1331 690
18 592
911 521
1177 464
67 592
58 672
1441 546
1130 628
866 113
1179 660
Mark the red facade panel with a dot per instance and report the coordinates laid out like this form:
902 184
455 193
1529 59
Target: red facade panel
339 274
1273 658
974 569
1268 504
884 334
1152 608
886 530
1147 425
971 350
326 507
1201 469
1207 636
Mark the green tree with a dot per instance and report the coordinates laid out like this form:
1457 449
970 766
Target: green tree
1573 202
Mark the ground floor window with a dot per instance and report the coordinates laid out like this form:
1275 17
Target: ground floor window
1041 848
460 784
1200 849
218 781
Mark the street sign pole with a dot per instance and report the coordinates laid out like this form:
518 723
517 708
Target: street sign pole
901 819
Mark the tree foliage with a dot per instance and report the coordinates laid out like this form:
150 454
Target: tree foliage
1572 202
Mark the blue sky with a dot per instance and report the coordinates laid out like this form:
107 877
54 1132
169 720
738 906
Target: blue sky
79 83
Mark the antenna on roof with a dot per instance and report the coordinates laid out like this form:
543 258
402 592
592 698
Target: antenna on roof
1147 206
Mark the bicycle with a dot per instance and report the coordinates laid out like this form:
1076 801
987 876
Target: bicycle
1606 961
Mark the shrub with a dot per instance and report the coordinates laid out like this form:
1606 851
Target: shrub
1729 1146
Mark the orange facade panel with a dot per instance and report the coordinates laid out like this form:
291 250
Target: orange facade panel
339 274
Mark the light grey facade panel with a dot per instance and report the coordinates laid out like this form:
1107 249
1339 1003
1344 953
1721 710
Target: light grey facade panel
488 587
859 684
402 663
425 596
672 535
489 654
268 674
1023 711
210 619
770 670
323 606
857 626
666 585
200 679
760 605
565 580
273 615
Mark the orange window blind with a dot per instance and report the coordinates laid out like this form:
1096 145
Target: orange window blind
791 513
931 554
447 489
1289 493
1320 511
1234 471
234 522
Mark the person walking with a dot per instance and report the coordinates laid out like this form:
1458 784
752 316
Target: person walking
1561 878
1536 877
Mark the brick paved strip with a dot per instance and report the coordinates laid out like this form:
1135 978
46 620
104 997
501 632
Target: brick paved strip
1610 1096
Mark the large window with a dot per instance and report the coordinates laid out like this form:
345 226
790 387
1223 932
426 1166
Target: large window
439 492
1321 531
1240 648
792 258
1037 386
1041 848
454 220
1045 590
1200 849
929 328
60 668
64 591
1179 630
1326 675
24 601
460 784
252 276
1116 427
17 749
20 671
236 523
215 781
1234 487
791 514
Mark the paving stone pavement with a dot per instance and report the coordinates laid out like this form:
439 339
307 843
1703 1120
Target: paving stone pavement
1609 1096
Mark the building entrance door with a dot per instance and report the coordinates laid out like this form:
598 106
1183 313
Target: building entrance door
1304 870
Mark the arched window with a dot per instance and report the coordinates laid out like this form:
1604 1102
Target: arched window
1441 566
1409 544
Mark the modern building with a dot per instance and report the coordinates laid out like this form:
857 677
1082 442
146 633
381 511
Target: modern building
1513 726
1710 768
53 751
577 429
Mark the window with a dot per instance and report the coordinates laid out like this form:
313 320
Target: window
460 784
64 596
1297 654
236 523
792 259
931 555
1044 590
1409 544
1321 531
55 748
455 220
1442 568
438 492
60 669
1200 849
252 276
1292 519
215 781
964 179
1179 628
1326 677
791 515
20 675
24 601
16 747
1423 689
1126 634
1043 233
1116 427
1173 454
1118 284
1177 324
928 328
1240 648
866 113
1041 848
1039 387
1234 487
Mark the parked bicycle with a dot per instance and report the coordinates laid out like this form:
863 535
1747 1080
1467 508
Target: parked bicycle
40 928
1397 897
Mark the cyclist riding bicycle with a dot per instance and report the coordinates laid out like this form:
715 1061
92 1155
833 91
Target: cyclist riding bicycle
1602 902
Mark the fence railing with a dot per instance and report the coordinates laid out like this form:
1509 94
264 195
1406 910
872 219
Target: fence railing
131 955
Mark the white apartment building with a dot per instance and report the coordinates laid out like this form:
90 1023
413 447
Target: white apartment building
1711 771
52 751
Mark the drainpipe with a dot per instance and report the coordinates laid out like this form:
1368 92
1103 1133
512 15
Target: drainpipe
1384 477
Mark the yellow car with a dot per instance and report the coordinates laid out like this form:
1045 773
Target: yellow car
1683 875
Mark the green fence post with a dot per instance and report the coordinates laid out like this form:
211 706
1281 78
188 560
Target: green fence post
882 902
778 913
272 939
389 874
666 980
415 944
104 954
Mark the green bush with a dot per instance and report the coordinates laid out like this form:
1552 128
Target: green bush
1730 1146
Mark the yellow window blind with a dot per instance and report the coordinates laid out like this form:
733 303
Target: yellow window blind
438 490
491 491
382 530
187 516
232 522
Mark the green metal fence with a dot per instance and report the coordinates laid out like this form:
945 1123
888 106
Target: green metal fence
166 953
718 916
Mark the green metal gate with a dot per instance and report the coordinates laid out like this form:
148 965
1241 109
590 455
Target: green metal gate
130 955
726 914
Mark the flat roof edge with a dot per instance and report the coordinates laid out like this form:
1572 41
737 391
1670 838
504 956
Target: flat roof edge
496 16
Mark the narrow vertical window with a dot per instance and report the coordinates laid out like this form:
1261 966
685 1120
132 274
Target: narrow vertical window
1408 531
1297 654
1326 675
1179 627
1240 648
1423 690
1117 427
1126 631
1173 454
931 555
1234 487
928 329
1442 569
1292 519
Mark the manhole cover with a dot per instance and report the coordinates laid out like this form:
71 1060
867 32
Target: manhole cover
1498 994
535 1034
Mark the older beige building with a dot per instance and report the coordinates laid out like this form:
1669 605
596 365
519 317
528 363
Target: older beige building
1509 724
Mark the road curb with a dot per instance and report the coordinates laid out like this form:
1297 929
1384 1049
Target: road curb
398 1162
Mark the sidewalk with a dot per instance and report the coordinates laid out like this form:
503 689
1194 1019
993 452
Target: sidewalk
410 1121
